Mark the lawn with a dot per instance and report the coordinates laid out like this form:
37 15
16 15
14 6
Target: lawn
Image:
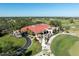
62 44
9 40
34 48
9 44
74 50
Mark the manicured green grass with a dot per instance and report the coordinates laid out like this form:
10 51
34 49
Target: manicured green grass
74 50
9 38
61 44
34 48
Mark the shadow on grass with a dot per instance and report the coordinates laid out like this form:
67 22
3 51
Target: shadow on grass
29 53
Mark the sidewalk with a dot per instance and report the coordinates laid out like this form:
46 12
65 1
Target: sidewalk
46 48
46 51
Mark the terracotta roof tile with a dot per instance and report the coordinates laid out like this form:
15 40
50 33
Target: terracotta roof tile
35 28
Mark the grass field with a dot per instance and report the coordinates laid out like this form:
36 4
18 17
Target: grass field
32 50
62 44
9 38
74 50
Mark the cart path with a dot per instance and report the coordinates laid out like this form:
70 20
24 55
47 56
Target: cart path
48 49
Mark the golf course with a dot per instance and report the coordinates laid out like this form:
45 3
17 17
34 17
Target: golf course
9 44
65 45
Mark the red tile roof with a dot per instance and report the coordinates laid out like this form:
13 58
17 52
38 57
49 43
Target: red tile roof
38 28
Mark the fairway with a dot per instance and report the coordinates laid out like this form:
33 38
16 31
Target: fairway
61 45
74 50
9 38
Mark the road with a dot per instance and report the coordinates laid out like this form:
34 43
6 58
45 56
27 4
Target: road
25 46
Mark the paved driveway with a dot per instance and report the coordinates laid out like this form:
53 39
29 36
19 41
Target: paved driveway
25 46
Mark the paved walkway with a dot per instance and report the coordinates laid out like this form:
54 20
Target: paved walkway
47 50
